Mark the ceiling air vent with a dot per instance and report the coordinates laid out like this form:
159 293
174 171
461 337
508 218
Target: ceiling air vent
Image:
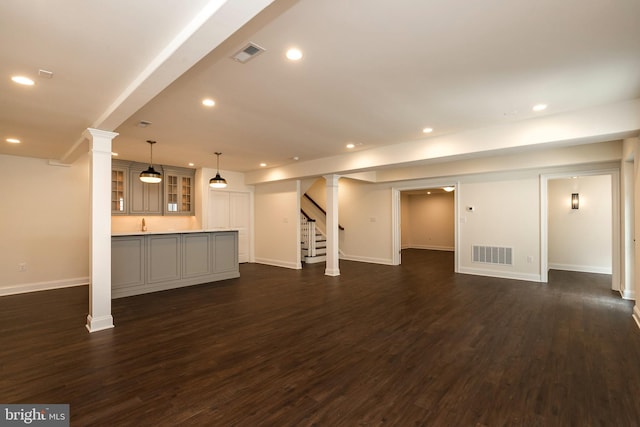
251 50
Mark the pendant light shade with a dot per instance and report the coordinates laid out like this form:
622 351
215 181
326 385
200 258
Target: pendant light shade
218 181
151 176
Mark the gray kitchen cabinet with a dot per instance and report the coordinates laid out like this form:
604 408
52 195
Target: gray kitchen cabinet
128 254
119 190
179 191
174 195
150 262
144 198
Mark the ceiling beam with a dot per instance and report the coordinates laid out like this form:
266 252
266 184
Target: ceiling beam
599 124
218 20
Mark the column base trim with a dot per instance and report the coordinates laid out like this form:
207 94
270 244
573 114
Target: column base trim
99 324
332 272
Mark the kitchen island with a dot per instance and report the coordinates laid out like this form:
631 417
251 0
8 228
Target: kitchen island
145 261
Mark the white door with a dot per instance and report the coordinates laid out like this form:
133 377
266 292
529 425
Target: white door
230 209
239 218
218 209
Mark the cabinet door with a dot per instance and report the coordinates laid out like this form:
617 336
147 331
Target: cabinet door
144 198
179 192
119 202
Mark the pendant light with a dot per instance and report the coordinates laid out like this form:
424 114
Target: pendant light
218 181
151 176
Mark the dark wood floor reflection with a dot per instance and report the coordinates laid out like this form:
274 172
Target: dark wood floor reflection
378 345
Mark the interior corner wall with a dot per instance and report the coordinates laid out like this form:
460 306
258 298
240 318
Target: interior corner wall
580 239
277 224
365 214
430 222
506 213
43 224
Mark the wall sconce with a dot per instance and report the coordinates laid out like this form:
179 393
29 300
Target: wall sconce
575 201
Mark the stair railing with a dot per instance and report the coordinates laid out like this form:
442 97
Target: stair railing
320 208
308 234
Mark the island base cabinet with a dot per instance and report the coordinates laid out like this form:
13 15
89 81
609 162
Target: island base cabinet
156 262
226 252
128 253
197 256
163 258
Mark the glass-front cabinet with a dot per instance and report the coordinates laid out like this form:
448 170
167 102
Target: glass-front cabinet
119 204
175 195
179 191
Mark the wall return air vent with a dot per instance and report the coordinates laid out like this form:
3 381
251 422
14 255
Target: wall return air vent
248 52
493 255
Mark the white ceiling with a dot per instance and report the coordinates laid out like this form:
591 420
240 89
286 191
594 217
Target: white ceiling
373 73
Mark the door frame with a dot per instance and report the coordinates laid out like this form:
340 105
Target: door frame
616 241
396 217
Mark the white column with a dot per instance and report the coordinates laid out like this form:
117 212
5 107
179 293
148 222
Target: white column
333 237
99 317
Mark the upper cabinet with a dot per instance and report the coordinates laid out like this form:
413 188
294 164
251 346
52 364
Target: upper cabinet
130 196
119 179
178 191
144 198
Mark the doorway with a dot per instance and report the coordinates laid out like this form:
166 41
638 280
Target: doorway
584 237
424 218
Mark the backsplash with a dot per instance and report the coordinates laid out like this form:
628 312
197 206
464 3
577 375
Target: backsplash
122 224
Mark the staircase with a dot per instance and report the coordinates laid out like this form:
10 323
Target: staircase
314 243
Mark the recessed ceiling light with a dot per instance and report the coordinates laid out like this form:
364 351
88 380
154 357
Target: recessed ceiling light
262 165
448 189
191 164
114 154
539 107
22 80
294 54
208 102
350 146
427 130
13 140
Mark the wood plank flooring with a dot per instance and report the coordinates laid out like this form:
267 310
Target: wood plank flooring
413 345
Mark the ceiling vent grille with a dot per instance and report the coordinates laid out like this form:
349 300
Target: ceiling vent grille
248 52
493 255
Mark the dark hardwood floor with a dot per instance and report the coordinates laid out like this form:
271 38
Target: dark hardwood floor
379 345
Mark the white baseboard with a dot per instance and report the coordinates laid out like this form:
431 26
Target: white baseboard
370 260
24 288
580 268
628 294
279 263
431 248
502 274
636 315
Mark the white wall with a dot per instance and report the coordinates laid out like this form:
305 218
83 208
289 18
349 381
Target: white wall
429 221
365 214
277 224
580 240
44 222
506 214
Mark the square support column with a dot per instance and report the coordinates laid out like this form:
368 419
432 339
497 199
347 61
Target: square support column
333 237
100 317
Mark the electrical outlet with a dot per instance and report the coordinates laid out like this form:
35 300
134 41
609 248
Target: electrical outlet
22 267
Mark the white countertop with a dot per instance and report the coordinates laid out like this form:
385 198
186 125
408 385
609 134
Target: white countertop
142 233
